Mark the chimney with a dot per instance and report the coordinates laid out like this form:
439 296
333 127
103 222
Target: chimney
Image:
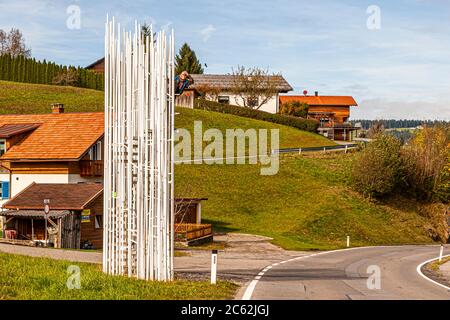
57 108
316 93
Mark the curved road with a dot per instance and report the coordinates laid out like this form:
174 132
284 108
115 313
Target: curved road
344 274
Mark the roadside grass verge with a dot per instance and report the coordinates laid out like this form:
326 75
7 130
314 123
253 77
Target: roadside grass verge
435 265
23 277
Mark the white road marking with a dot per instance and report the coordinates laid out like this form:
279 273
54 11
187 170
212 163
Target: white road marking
251 287
419 271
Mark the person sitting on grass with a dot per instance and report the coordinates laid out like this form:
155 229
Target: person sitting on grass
182 82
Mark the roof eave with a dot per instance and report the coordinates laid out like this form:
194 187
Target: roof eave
40 208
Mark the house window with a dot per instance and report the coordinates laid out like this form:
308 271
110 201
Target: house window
223 99
95 153
98 222
252 102
2 147
4 190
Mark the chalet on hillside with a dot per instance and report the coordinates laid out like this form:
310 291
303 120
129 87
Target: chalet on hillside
56 147
59 156
332 113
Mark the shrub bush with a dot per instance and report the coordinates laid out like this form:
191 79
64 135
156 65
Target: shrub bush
427 164
294 108
299 123
377 169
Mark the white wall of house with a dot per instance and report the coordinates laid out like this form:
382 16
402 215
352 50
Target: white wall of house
271 106
76 178
23 180
20 181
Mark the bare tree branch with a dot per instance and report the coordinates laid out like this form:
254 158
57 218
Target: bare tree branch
254 86
13 43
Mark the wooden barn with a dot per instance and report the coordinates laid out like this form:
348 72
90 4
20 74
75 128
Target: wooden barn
97 66
74 220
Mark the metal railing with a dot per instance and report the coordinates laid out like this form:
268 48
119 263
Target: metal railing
317 149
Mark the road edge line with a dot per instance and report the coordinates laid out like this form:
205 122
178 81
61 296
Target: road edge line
419 271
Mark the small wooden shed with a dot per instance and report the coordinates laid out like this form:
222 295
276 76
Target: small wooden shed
74 221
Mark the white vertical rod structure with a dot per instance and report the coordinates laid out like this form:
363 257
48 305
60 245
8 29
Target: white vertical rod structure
348 241
441 252
139 159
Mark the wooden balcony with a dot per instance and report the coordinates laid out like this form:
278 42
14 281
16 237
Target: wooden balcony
91 168
190 232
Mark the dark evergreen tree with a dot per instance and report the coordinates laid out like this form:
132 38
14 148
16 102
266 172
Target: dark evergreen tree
187 60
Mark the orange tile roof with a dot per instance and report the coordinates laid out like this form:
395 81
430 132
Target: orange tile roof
9 130
64 136
321 100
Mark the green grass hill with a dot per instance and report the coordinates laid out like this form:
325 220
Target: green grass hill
307 205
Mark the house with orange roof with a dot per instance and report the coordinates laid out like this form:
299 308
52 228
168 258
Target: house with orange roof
56 147
58 156
332 113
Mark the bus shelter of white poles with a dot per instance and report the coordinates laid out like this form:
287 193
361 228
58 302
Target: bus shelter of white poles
138 173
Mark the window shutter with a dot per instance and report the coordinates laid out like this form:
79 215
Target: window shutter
5 190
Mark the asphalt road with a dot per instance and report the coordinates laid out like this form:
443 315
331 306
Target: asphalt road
344 275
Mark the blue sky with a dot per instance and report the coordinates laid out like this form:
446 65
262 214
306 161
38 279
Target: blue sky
401 70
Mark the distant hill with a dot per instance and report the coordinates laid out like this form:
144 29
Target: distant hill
396 124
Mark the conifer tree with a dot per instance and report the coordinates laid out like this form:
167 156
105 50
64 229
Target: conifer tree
187 60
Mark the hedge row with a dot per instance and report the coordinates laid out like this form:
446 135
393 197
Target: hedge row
29 70
299 123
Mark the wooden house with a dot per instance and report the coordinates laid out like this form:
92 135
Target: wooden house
56 147
49 154
75 219
332 113
97 66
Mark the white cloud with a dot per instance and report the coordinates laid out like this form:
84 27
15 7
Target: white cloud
207 32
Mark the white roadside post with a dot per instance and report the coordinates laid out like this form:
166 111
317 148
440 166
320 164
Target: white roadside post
46 212
441 252
348 241
214 267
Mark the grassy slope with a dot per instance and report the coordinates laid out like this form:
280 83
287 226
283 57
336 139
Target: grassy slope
19 98
23 277
289 137
306 205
